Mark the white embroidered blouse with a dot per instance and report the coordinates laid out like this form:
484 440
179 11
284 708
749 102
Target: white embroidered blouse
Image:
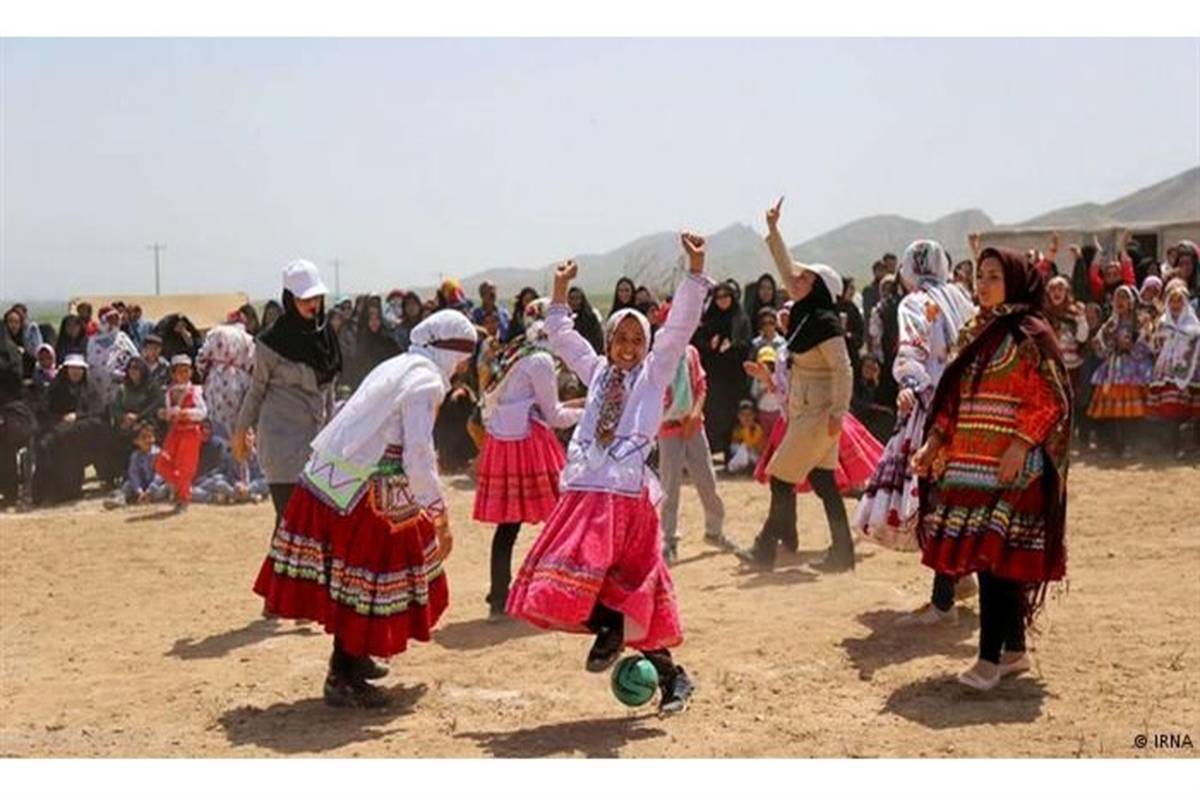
621 467
529 391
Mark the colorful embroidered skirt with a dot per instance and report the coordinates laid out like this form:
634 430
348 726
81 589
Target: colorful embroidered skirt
975 524
858 454
887 513
518 480
369 579
1118 401
1166 400
606 548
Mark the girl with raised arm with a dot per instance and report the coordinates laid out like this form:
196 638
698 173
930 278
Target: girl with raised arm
598 564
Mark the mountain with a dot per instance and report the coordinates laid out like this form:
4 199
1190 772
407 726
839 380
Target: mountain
1173 199
738 250
852 248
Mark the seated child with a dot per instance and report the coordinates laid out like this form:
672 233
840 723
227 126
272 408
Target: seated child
142 484
866 403
747 441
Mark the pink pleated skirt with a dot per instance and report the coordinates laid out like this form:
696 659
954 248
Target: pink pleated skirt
606 548
518 480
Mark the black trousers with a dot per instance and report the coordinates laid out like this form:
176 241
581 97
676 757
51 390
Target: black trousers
1001 617
781 518
604 616
943 592
280 494
502 548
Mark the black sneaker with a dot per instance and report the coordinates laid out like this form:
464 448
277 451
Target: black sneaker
609 643
344 692
676 689
760 556
791 542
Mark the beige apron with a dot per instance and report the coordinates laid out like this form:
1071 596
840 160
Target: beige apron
819 386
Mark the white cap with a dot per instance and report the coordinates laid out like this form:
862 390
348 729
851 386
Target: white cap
75 359
829 276
302 279
181 359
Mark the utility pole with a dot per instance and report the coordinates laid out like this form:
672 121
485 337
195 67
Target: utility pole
337 278
157 248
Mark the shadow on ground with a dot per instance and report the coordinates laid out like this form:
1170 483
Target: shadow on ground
941 703
482 634
886 644
221 644
310 726
589 738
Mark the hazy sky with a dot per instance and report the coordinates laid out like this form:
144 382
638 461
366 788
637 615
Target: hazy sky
410 158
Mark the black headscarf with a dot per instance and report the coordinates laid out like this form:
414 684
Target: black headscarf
616 302
372 348
751 301
66 396
309 341
1081 286
587 324
66 345
1023 317
813 319
174 343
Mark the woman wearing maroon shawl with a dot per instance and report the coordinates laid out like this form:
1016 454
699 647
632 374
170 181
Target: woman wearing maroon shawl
995 461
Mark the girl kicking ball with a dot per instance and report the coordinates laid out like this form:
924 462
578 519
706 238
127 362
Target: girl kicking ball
598 564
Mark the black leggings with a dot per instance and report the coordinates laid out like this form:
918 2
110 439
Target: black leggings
1001 617
943 592
280 494
825 487
502 548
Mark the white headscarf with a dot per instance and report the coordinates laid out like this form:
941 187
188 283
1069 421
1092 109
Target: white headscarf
610 327
926 267
1177 359
445 325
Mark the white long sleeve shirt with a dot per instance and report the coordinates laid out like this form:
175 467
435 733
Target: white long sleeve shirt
529 392
621 467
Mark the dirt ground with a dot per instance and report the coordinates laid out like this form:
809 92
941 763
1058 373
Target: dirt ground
128 634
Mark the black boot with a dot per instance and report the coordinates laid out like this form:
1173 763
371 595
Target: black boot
345 688
354 667
609 626
674 684
840 556
780 525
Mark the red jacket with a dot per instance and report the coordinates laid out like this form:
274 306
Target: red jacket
1096 277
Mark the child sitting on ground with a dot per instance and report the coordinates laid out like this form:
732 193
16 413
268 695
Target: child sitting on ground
142 485
747 441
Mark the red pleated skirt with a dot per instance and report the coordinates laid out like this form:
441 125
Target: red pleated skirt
606 548
858 455
518 480
372 583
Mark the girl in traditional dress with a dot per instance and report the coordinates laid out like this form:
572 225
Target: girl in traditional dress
180 457
598 564
1069 320
1120 383
1174 394
819 390
995 453
226 360
931 315
521 458
362 541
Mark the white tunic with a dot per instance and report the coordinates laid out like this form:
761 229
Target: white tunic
620 468
529 391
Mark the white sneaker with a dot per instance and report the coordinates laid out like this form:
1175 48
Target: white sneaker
927 616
